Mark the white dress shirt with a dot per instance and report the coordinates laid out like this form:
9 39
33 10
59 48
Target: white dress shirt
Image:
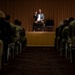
39 18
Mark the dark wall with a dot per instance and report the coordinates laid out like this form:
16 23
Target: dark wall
24 10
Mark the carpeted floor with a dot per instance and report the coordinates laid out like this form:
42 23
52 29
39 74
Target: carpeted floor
39 61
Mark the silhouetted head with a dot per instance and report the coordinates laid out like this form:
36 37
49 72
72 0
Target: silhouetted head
16 22
2 15
66 22
70 19
7 17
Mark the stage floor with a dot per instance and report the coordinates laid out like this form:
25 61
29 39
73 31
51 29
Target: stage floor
40 38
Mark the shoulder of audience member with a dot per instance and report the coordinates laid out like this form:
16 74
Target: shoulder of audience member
72 22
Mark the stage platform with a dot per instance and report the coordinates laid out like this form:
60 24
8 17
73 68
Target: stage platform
40 38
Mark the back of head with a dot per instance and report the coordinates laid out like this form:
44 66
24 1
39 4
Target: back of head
7 17
66 22
16 22
2 15
70 19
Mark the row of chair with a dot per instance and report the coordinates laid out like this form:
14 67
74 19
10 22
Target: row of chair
12 38
65 39
14 49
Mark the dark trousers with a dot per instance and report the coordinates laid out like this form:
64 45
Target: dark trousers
38 26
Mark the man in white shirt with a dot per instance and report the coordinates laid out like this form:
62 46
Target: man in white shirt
40 17
39 21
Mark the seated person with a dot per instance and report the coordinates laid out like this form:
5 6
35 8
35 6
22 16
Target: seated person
39 19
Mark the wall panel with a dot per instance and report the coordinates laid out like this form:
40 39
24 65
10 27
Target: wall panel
24 10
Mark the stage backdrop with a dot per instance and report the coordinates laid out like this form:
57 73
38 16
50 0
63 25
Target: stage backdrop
24 10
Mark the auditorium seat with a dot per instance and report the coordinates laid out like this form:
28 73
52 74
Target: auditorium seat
49 25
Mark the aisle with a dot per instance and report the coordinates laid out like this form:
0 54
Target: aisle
39 61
